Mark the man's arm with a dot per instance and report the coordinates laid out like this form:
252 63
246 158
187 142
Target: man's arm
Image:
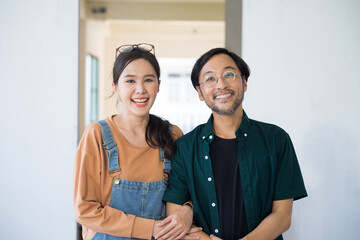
277 222
194 233
273 225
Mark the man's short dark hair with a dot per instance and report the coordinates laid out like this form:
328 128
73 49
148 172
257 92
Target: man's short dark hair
241 64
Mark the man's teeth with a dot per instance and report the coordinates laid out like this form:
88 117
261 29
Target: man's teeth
223 96
140 100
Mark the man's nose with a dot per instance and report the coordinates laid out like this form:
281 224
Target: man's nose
220 83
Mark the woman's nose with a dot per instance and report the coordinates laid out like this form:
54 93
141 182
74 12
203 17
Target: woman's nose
140 88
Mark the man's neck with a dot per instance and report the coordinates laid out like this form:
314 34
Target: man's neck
225 126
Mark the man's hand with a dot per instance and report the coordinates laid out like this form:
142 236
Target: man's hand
177 225
213 237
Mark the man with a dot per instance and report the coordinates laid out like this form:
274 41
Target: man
242 175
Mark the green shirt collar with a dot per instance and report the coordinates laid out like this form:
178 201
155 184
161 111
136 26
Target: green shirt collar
207 131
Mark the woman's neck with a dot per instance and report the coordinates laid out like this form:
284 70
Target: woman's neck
133 128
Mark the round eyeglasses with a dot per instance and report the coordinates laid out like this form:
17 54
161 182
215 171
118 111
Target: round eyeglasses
145 47
210 80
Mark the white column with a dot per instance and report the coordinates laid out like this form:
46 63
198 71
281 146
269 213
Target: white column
38 123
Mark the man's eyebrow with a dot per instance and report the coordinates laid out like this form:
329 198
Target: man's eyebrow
207 72
227 67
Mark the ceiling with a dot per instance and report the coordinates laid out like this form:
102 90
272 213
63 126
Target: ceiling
167 10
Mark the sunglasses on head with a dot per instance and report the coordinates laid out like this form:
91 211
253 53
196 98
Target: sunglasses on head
145 47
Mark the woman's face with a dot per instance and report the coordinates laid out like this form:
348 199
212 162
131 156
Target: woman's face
137 87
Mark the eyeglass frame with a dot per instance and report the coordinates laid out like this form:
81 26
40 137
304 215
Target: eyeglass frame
222 77
134 46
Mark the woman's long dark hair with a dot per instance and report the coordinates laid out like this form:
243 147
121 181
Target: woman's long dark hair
158 132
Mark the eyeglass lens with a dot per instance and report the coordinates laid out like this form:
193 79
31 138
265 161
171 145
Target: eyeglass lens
129 48
145 47
211 80
126 49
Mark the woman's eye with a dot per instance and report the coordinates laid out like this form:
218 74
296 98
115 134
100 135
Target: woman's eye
149 80
130 81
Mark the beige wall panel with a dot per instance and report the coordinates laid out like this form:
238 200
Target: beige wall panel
134 10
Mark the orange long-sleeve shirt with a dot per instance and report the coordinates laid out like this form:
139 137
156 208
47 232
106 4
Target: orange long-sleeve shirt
93 183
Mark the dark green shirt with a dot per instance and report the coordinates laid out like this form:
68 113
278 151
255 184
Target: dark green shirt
269 171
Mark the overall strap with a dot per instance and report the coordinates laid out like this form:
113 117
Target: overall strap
110 146
166 162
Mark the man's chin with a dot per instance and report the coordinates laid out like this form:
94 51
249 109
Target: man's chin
223 111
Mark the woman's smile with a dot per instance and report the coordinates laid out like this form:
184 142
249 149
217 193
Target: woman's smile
140 102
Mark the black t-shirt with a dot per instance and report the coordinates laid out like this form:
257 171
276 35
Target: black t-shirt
225 164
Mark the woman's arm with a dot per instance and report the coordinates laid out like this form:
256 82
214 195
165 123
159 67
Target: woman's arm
90 197
179 222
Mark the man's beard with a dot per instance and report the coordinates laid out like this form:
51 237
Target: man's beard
228 111
238 101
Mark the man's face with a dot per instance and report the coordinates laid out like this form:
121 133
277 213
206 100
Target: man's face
224 98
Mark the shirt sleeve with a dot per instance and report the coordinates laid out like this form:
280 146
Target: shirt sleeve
289 181
177 191
90 209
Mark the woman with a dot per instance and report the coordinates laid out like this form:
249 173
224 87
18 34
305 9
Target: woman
122 163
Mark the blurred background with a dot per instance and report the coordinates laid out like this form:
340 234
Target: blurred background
56 59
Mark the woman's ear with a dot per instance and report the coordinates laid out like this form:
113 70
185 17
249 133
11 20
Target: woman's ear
114 87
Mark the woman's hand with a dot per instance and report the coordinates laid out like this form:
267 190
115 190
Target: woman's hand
178 225
157 228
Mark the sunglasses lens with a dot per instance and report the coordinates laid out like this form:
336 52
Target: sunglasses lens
145 47
126 49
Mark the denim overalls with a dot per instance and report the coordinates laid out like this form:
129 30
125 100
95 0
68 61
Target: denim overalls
143 199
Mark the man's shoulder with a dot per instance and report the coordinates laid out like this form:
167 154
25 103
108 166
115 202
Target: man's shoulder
192 136
266 128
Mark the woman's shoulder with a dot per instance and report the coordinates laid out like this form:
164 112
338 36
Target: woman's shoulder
177 132
91 137
93 128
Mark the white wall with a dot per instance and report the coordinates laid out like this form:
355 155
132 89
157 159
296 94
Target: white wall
305 62
38 124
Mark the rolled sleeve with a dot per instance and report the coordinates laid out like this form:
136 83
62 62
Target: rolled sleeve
177 191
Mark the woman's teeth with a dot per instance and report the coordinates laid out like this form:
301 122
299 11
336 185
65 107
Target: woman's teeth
140 100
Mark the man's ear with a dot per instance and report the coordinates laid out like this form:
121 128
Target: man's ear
159 81
199 93
244 84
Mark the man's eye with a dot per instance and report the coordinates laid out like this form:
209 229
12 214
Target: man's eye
229 75
210 79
